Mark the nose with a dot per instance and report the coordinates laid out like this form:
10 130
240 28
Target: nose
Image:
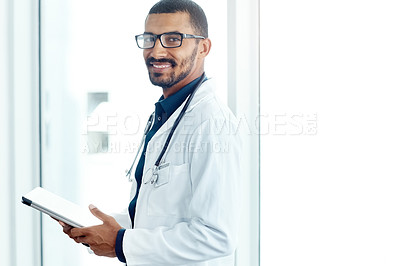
158 51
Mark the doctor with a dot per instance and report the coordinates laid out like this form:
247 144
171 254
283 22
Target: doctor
185 201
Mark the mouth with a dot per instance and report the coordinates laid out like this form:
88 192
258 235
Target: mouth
160 65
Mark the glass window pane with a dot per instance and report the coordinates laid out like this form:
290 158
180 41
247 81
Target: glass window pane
96 101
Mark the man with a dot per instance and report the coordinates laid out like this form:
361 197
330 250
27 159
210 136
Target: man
185 203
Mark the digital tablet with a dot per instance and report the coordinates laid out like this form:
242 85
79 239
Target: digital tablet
60 208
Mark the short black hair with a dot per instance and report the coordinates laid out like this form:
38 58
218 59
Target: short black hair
198 18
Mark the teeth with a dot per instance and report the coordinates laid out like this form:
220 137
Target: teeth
161 66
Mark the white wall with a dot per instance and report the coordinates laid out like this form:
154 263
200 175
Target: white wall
330 196
19 153
243 99
7 255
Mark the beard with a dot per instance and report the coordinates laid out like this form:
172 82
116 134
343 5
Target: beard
186 65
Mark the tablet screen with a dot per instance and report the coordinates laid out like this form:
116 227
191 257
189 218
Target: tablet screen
60 208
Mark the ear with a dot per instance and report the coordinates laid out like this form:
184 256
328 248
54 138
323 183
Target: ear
204 48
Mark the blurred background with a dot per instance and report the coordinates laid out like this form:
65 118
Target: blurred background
314 85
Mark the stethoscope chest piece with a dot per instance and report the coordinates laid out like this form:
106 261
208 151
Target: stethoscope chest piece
152 175
148 176
154 178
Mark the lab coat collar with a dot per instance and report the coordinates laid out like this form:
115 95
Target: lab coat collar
203 93
170 104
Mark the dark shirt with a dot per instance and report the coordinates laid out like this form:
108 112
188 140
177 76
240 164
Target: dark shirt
164 109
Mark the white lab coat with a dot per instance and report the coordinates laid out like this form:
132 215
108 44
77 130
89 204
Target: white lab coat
190 215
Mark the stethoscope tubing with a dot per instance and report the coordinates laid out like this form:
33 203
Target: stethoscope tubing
175 125
146 131
178 119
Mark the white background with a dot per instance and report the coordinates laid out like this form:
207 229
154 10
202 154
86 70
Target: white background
330 198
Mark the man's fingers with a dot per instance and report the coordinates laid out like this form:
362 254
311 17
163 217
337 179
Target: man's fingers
66 230
80 239
66 227
78 232
62 223
99 214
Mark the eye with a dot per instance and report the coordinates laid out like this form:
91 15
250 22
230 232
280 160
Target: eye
173 39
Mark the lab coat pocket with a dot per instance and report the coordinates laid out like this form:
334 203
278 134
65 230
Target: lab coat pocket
170 195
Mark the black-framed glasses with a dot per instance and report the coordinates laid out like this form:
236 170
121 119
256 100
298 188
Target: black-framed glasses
168 39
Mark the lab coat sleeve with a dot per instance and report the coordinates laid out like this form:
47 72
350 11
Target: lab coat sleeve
211 232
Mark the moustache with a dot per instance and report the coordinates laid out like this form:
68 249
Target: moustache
151 60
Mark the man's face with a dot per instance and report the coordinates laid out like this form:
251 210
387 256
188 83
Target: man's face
171 66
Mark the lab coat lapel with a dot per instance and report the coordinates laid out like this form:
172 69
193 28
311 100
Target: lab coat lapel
199 96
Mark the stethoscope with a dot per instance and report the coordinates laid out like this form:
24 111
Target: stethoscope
157 165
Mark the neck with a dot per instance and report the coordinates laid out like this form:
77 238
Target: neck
171 90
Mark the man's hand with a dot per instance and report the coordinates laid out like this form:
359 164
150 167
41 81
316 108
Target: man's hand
100 238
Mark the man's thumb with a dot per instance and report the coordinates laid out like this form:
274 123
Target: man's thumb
96 212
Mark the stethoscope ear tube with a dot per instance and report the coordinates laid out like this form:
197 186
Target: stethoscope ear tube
146 130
